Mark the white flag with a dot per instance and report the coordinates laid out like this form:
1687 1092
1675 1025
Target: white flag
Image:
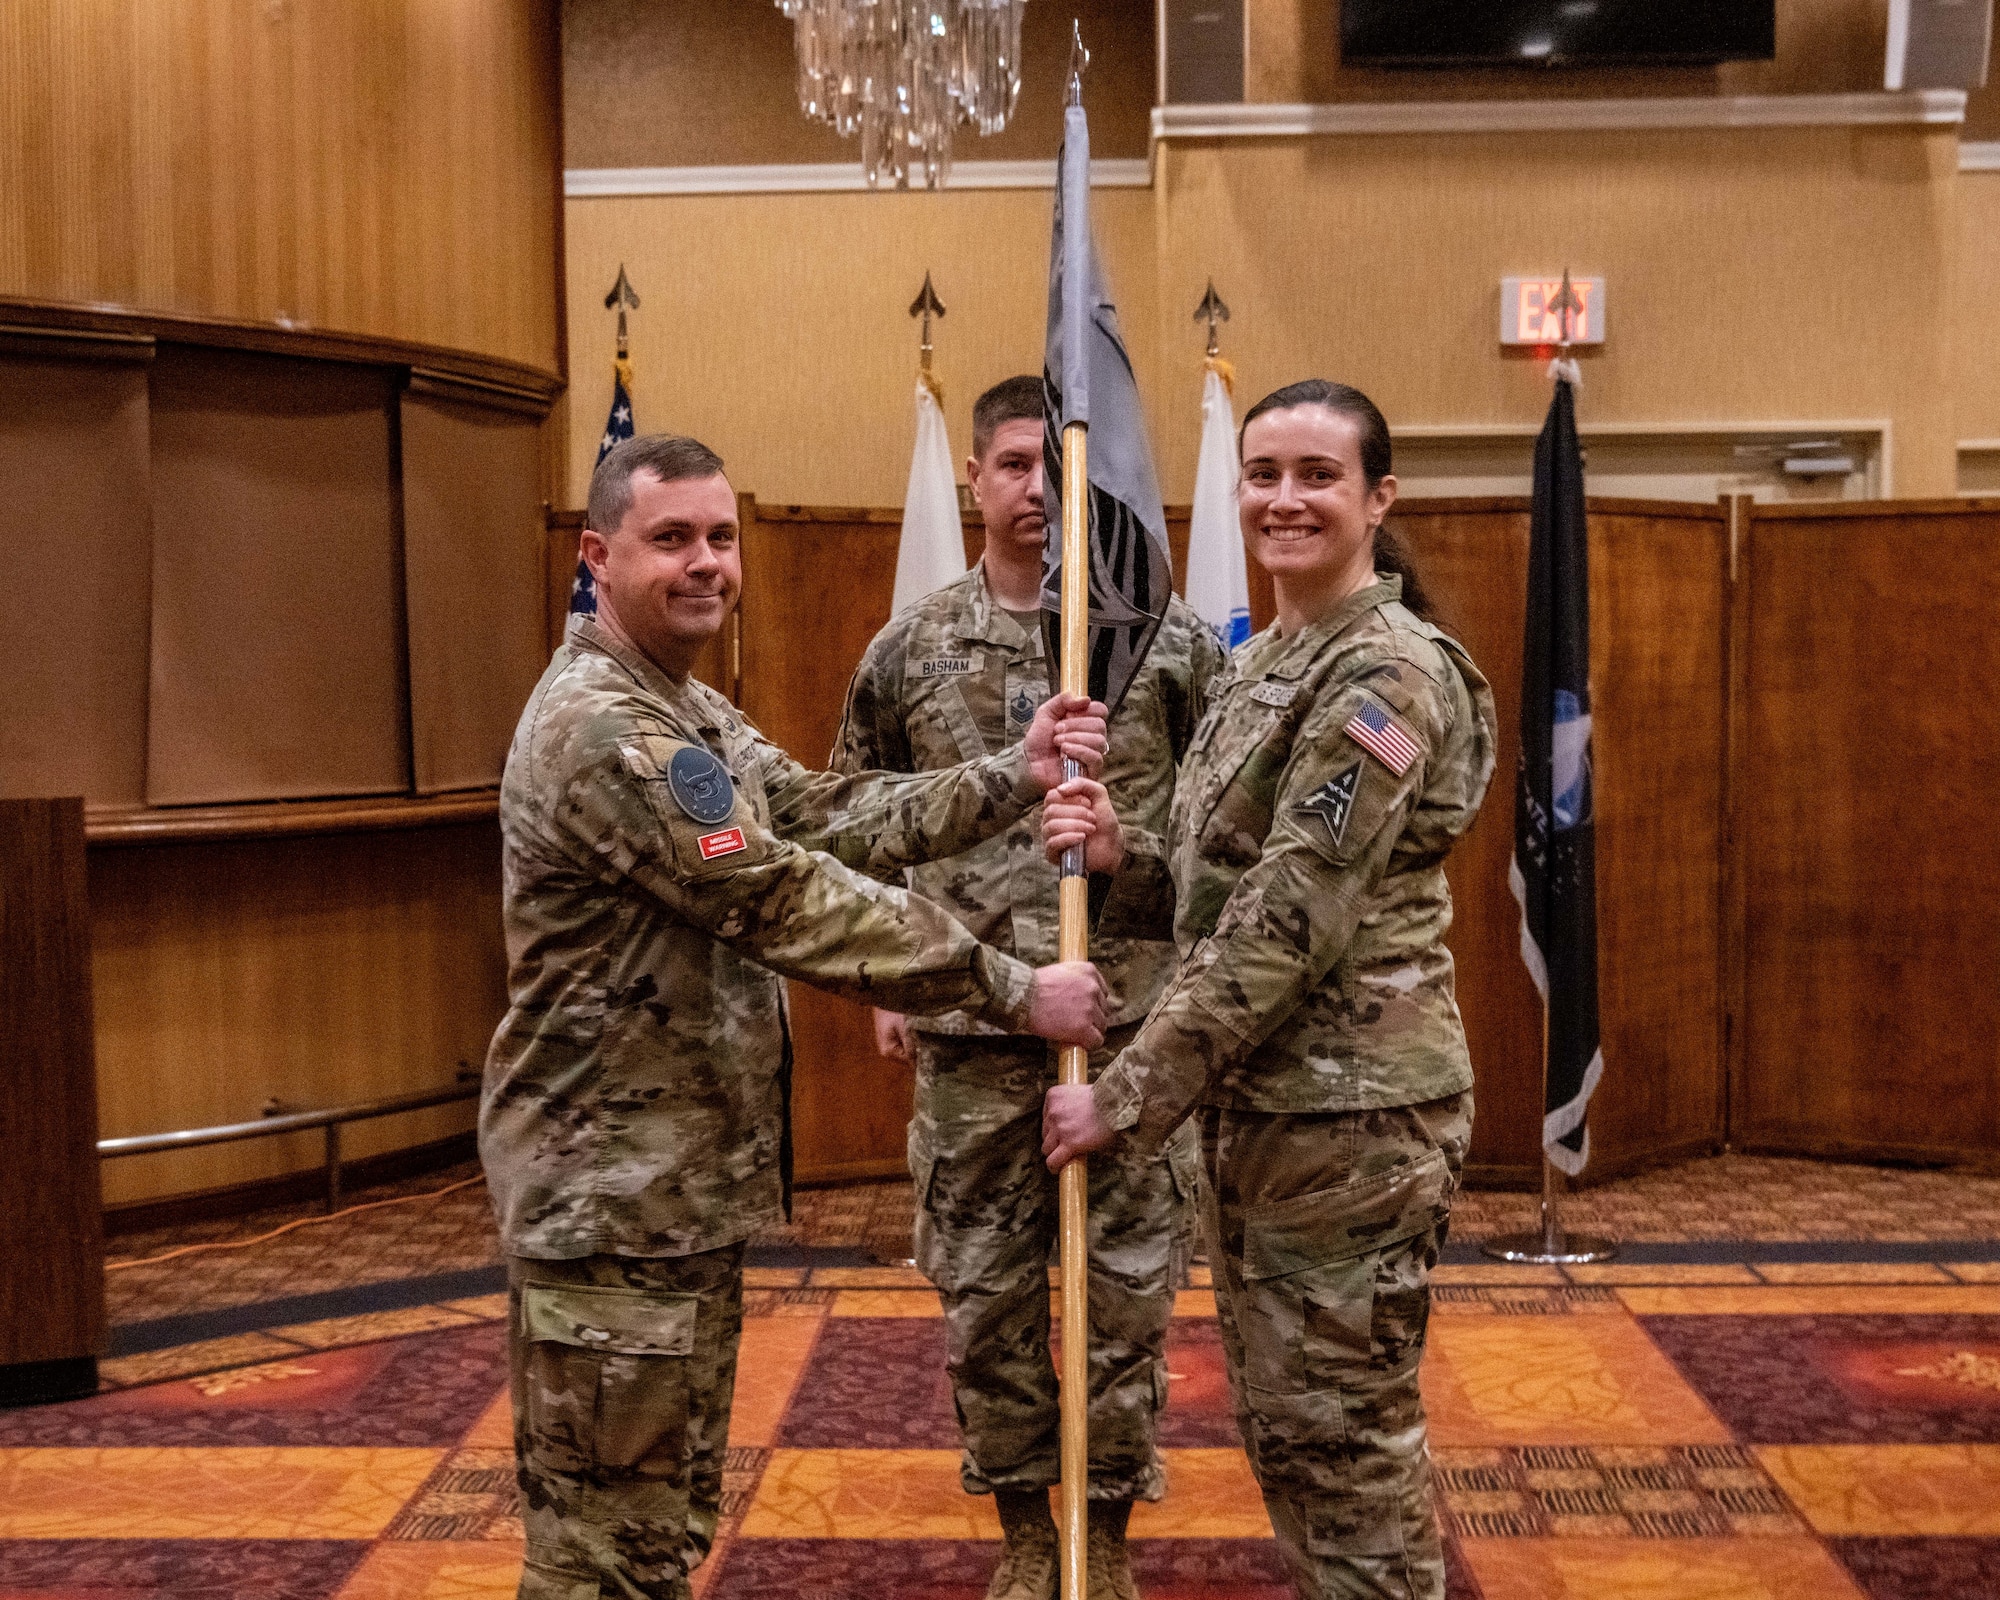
932 552
1218 584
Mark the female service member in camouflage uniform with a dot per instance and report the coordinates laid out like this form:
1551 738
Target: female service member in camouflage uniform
1312 1020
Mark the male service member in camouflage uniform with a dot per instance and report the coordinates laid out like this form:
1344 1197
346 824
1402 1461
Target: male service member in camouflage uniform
664 864
958 677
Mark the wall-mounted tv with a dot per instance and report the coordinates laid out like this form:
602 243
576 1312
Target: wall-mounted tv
1437 33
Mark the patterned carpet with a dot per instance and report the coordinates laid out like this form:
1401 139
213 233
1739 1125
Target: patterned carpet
1741 1198
1821 1432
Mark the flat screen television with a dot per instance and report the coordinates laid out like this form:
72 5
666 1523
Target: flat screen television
1438 33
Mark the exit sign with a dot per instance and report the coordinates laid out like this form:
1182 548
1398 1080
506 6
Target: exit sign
1526 317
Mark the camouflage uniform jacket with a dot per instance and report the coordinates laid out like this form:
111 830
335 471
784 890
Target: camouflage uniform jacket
954 678
1312 899
632 1103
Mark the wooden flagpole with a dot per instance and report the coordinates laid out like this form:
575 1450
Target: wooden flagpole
1072 1066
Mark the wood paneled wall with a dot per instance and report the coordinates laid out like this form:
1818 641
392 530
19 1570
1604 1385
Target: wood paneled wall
1871 885
388 167
1659 601
322 971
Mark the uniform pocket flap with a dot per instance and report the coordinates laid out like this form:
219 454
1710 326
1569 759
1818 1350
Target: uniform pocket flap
1348 1220
620 1322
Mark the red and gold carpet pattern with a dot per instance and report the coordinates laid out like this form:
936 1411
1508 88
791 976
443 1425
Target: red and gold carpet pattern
1806 1432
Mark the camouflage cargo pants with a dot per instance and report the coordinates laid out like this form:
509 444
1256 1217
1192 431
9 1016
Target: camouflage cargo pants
986 1219
1322 1231
623 1370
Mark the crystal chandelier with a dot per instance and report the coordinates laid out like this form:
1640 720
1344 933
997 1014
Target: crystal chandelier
904 73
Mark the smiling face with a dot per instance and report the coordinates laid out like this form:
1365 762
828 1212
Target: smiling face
1308 512
670 571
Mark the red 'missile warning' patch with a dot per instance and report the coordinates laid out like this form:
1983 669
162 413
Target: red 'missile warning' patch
725 843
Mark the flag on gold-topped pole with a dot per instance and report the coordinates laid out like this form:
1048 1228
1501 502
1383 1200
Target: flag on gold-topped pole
931 552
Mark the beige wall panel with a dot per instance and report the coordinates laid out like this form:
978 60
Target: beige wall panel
75 578
1824 47
776 327
681 85
472 558
324 971
1753 276
384 167
277 647
1976 327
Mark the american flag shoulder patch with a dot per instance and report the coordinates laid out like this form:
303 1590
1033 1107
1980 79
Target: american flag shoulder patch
1384 738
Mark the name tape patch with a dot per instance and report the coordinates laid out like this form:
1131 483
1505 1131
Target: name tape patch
948 666
1275 694
725 843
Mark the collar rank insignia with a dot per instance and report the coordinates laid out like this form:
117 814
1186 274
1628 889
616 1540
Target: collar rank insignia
1333 801
700 785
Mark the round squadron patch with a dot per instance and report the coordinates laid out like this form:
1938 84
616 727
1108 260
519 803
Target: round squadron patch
700 785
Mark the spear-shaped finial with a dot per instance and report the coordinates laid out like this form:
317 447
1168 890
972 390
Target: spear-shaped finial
1212 310
1079 62
927 305
1566 304
621 296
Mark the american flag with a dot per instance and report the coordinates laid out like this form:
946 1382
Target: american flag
1382 736
617 429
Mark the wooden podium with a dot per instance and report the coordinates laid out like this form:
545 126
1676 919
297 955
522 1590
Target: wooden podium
51 1213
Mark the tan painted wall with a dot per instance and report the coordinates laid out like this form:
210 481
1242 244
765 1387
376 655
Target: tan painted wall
776 327
1975 334
1755 276
1752 276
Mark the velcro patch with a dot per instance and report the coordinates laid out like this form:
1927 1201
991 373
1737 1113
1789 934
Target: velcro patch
947 666
1274 694
1384 738
725 843
1333 802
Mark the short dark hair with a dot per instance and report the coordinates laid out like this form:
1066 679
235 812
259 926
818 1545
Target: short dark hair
670 457
1010 400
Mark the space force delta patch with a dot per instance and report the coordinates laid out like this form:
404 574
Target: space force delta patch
1333 802
725 843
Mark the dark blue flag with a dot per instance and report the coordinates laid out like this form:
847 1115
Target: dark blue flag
1554 873
617 429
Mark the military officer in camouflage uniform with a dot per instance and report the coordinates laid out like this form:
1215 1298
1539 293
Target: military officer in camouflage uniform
664 864
958 677
1312 1024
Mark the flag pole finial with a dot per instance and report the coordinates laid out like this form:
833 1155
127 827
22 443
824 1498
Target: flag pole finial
1079 62
926 305
622 296
1212 310
1566 305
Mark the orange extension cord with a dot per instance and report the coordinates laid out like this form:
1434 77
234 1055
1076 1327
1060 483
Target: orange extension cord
303 1222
